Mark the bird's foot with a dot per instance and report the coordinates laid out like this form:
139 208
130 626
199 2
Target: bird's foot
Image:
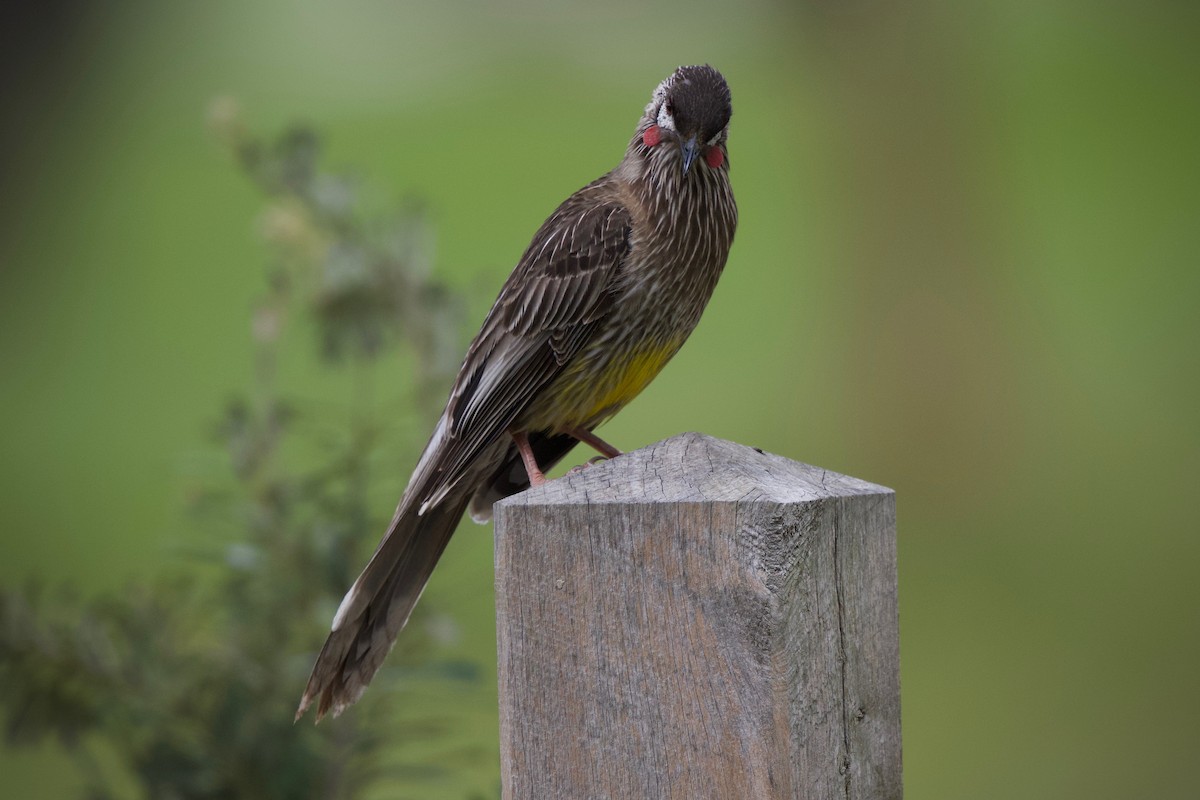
581 467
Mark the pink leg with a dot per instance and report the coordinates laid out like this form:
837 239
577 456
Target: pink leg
536 478
599 445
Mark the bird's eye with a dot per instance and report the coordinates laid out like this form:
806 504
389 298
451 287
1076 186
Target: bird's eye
671 108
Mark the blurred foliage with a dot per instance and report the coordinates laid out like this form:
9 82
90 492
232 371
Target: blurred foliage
191 681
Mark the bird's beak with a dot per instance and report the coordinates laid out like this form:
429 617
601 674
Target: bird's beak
689 152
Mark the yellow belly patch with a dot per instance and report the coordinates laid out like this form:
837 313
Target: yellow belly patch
622 382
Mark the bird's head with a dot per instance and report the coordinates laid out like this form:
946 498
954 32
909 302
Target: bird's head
689 115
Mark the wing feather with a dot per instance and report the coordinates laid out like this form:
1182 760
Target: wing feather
562 286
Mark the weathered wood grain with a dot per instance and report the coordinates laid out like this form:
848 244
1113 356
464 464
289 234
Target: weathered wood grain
699 620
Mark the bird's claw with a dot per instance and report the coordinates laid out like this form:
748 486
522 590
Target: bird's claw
580 468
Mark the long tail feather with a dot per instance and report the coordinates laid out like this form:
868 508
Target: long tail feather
379 604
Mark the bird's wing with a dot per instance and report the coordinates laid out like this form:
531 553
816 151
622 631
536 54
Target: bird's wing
563 284
560 288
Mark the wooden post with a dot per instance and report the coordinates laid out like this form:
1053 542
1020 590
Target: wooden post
698 619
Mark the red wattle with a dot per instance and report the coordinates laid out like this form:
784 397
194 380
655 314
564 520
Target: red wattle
714 157
652 136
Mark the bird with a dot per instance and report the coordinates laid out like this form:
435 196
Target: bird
608 290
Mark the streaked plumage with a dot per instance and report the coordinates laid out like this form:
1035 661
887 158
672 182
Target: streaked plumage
608 290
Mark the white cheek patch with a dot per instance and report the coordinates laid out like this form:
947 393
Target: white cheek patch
660 94
665 120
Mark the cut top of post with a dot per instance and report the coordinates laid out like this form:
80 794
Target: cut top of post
694 467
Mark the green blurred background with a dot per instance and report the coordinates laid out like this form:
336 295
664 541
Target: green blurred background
966 269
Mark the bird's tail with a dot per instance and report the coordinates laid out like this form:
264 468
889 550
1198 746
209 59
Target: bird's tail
379 603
